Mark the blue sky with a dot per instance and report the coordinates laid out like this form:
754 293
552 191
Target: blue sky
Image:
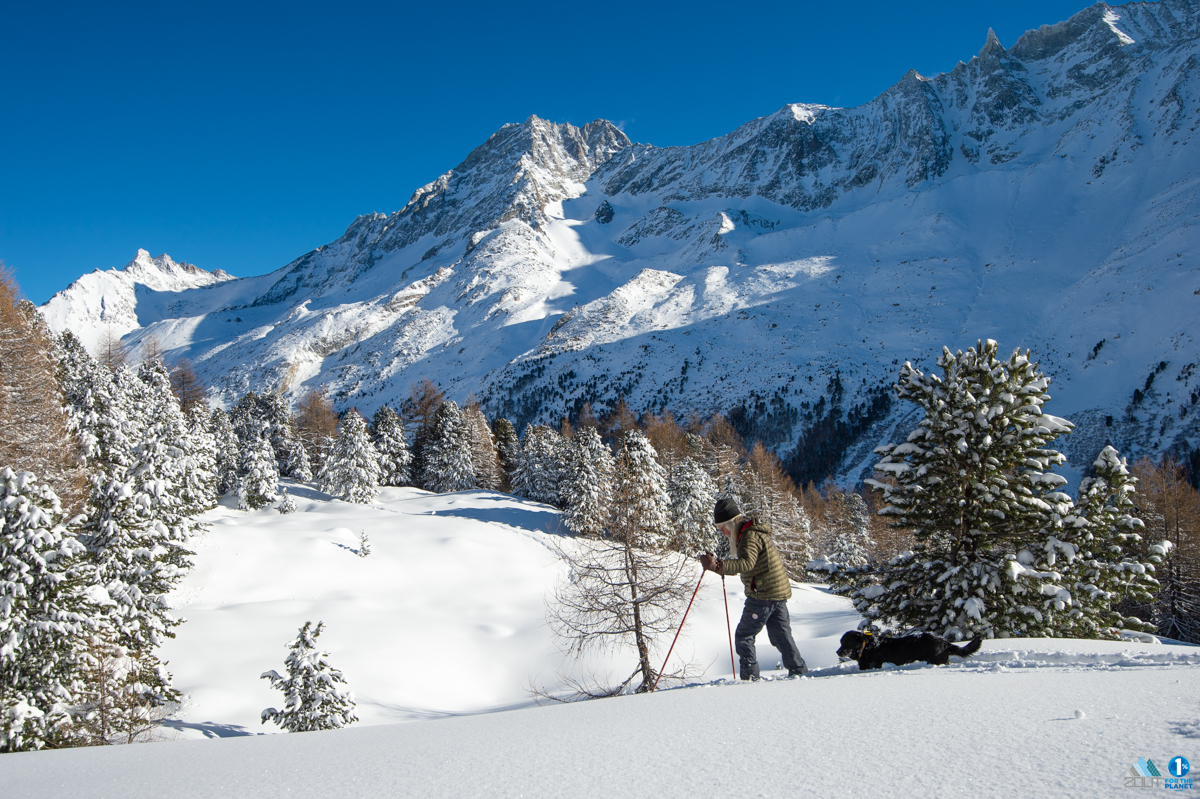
241 135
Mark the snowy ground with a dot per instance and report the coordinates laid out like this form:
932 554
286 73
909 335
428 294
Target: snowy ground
445 620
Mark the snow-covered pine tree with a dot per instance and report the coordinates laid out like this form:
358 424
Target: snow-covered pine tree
199 490
508 447
395 460
364 544
228 451
973 484
286 503
1113 563
316 696
136 529
641 509
43 615
852 544
352 468
299 465
587 486
258 475
484 458
447 463
540 465
693 495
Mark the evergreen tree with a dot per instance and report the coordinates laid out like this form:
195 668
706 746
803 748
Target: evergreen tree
227 448
508 447
484 459
447 464
395 461
316 695
258 476
641 506
1112 564
43 617
200 478
299 464
286 503
852 543
587 486
693 495
352 468
539 466
973 484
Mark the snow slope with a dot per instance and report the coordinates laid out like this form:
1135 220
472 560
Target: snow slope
443 622
445 616
110 302
1044 195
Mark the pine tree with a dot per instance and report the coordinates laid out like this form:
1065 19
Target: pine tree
447 462
352 466
508 447
693 495
286 503
43 616
299 464
200 478
540 465
258 476
587 486
316 696
364 544
1112 564
485 460
641 506
395 461
973 484
227 448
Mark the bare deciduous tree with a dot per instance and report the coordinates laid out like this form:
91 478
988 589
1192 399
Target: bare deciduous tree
617 596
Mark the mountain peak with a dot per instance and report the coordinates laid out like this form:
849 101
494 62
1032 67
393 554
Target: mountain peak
992 46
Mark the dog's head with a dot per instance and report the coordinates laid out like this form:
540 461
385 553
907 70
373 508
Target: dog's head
854 644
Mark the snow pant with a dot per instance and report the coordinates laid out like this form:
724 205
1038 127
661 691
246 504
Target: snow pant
774 616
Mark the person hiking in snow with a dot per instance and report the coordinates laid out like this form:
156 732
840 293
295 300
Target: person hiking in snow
753 556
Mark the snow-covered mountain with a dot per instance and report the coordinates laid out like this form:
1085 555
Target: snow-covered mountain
112 301
1045 195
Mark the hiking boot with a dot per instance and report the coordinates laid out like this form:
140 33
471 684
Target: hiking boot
797 673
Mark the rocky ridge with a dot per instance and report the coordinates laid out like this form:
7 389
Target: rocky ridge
1043 195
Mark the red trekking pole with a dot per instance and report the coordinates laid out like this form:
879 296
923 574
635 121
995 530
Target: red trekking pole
677 632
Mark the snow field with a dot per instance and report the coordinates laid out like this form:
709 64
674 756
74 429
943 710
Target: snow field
949 731
446 616
445 620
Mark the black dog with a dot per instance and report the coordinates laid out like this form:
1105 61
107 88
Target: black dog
872 652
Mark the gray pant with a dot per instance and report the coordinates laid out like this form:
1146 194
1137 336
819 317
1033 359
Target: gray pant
774 616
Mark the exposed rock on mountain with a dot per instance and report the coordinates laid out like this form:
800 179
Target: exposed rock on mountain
1044 195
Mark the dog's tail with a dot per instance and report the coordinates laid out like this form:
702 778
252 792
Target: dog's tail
967 649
